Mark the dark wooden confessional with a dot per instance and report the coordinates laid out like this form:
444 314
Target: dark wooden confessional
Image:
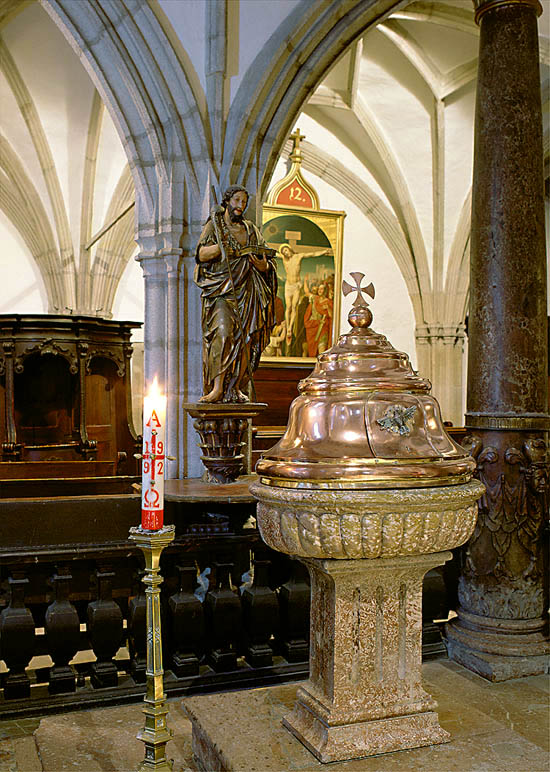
65 406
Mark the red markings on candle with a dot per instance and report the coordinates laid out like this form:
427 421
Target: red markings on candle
154 419
153 458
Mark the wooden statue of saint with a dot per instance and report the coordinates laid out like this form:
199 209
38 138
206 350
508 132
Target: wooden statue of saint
236 273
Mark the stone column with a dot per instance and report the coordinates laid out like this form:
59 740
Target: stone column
172 258
440 351
154 333
190 360
173 348
501 631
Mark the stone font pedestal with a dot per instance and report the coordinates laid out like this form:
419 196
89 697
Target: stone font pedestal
367 552
364 695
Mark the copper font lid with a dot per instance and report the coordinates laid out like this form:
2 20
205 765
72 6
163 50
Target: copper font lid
364 419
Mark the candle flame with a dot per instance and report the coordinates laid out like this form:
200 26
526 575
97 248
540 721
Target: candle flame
154 389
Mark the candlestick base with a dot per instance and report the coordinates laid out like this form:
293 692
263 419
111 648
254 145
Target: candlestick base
155 539
155 734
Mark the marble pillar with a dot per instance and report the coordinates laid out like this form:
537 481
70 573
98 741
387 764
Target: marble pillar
501 630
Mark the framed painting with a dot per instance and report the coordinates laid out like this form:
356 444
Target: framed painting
309 272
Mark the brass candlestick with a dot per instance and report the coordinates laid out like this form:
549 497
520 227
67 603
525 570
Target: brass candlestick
155 733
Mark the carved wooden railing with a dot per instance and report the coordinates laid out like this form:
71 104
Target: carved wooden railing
72 621
72 628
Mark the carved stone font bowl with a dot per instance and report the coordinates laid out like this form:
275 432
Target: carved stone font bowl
366 524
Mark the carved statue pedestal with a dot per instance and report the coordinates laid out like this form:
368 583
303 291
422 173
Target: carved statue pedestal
221 427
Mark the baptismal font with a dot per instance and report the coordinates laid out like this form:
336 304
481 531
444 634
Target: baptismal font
369 492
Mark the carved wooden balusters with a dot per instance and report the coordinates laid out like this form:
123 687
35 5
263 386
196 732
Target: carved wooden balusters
230 624
237 620
62 627
223 615
17 639
435 605
294 598
105 629
137 628
227 623
260 617
185 625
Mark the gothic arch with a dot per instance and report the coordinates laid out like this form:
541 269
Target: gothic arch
22 205
283 75
148 95
458 270
63 259
115 249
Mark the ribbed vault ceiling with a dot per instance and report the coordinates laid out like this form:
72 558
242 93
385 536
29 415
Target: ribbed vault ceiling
396 113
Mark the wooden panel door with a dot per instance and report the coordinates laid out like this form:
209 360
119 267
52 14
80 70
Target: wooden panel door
101 384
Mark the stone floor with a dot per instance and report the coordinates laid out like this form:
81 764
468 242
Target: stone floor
99 740
500 727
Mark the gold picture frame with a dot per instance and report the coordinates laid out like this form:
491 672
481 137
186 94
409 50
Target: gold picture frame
309 244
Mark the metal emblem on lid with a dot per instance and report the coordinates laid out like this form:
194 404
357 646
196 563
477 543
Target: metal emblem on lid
364 419
396 419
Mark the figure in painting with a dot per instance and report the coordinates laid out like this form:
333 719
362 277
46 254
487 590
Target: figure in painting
236 273
318 319
275 346
278 334
292 262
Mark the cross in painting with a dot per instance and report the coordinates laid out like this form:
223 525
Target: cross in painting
293 237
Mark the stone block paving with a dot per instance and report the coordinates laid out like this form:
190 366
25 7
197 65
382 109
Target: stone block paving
494 727
501 727
99 740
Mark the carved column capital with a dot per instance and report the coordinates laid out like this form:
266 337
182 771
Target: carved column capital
153 264
482 6
172 258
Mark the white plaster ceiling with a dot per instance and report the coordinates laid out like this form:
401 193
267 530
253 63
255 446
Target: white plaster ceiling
64 172
397 110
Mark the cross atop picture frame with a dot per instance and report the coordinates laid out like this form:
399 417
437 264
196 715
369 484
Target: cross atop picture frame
309 243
